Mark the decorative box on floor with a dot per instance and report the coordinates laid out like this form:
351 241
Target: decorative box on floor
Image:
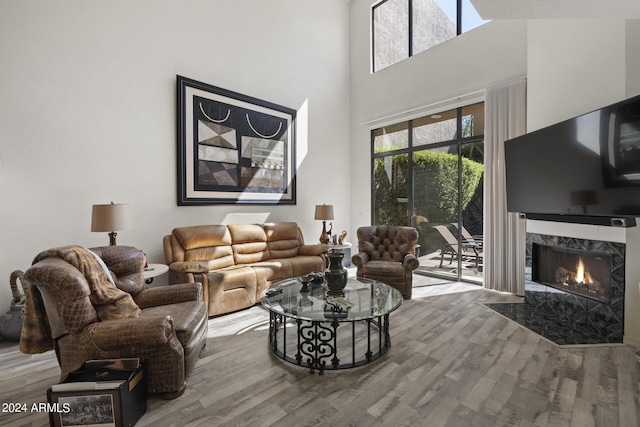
101 393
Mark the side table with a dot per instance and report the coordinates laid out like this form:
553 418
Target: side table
154 270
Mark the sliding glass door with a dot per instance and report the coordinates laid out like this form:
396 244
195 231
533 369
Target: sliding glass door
428 173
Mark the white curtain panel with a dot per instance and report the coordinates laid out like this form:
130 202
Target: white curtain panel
504 232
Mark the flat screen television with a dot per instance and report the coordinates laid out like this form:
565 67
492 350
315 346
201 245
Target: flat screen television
585 166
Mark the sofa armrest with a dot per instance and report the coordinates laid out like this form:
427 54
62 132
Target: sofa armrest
317 249
410 262
360 259
184 267
171 294
126 333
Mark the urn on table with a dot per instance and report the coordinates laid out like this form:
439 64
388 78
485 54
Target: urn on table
336 275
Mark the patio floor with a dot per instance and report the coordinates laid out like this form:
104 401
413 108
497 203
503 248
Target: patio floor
430 264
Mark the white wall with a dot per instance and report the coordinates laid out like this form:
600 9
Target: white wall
88 107
577 66
633 57
488 55
574 67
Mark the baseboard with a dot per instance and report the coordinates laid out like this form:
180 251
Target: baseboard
631 341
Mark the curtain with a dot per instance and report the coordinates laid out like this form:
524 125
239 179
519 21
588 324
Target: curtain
504 232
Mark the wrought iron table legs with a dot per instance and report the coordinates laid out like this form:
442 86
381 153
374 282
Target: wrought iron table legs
317 344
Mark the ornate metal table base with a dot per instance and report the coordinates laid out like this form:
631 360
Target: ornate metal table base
328 344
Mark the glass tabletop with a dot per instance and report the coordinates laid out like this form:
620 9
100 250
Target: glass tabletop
362 299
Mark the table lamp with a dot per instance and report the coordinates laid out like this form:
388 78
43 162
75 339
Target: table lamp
324 213
112 217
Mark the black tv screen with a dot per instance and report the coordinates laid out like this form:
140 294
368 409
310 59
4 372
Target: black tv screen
588 165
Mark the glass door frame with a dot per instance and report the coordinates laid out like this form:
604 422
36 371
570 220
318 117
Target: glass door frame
459 142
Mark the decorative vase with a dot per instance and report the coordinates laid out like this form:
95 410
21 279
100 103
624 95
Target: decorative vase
11 321
336 274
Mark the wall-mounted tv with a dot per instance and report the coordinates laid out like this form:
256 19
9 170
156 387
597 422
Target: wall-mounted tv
585 166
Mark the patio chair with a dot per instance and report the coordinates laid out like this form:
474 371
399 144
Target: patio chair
468 238
454 249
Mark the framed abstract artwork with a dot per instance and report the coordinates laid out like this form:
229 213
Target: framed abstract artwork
232 148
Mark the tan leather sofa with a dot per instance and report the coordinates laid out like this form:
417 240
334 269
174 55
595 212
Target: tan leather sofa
236 262
168 333
387 254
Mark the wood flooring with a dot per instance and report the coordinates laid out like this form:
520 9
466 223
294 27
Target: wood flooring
452 362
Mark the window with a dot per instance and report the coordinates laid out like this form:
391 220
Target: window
428 173
402 28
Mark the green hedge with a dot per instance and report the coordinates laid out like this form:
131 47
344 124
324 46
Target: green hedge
435 193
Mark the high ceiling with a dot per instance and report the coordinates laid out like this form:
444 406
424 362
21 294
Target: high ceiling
552 9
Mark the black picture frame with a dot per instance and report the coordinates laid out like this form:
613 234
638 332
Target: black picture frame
233 148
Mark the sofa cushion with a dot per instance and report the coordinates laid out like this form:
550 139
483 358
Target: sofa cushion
274 269
214 256
249 243
283 238
383 268
233 277
210 243
284 248
201 236
305 264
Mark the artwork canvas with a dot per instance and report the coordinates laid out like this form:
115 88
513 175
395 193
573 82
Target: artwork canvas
86 408
96 410
233 148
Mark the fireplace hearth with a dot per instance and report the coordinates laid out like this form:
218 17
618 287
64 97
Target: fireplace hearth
574 290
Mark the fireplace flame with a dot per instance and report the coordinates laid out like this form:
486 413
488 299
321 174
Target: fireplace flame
582 276
580 271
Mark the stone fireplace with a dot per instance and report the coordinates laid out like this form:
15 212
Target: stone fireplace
574 288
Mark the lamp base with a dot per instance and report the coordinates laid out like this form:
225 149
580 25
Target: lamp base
324 237
112 238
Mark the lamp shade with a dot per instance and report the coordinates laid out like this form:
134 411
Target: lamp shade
324 212
111 217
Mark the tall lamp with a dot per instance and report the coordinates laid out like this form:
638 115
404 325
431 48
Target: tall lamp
112 217
324 213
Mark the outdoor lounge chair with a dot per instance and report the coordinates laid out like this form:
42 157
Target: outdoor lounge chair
454 249
467 238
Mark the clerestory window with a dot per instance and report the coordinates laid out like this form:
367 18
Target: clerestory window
403 28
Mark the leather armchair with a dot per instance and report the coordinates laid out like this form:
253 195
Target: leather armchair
167 335
387 254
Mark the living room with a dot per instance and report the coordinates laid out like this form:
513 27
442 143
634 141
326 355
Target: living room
89 102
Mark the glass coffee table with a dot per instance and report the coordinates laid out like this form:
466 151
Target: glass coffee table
313 329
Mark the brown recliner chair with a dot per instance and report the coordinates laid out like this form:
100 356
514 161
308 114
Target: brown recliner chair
387 254
166 326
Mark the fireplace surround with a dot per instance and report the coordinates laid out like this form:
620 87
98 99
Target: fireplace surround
563 315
